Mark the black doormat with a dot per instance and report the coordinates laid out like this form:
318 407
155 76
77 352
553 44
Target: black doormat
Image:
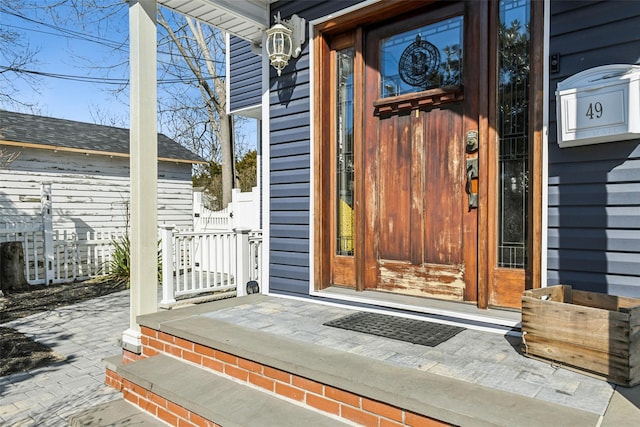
398 328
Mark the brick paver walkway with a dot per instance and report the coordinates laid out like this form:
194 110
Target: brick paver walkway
84 333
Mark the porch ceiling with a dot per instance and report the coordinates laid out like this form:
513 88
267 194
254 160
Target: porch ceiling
243 18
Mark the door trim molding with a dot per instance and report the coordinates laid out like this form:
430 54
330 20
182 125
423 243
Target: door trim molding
544 216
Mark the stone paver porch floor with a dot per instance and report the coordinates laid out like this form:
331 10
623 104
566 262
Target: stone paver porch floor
488 359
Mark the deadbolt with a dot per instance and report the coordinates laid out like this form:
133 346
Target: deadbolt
472 142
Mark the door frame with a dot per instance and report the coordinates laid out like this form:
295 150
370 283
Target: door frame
370 12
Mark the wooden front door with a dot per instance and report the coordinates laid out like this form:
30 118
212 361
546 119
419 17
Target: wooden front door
427 150
421 230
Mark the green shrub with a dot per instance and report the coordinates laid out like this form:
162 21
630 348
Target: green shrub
120 263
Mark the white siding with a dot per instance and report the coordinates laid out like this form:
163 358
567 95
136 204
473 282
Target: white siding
89 193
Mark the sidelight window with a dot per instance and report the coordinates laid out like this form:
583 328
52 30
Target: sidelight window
344 150
513 131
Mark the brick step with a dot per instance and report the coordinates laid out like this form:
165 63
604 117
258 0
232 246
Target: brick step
180 393
118 413
356 388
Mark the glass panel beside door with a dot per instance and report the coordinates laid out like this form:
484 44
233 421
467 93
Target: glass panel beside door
344 152
513 131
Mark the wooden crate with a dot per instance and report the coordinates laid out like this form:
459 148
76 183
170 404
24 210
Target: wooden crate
595 333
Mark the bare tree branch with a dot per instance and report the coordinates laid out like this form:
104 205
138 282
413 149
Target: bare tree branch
192 95
195 49
7 157
15 54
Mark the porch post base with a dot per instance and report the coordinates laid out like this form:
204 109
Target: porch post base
132 341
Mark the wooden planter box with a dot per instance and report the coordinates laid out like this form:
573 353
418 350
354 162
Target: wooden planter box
593 332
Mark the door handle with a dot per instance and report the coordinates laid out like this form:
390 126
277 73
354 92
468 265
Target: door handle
472 173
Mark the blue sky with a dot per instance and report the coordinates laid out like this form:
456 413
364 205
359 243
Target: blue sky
96 53
67 54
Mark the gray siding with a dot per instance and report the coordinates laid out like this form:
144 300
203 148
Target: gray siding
290 157
594 191
246 78
594 201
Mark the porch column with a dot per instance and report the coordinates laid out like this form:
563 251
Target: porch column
143 166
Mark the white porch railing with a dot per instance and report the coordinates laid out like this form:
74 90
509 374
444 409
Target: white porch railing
194 263
255 255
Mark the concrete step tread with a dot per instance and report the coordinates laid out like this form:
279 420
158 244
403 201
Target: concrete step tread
118 413
224 401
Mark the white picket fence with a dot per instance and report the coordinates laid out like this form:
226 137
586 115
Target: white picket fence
193 262
84 257
242 212
66 259
223 252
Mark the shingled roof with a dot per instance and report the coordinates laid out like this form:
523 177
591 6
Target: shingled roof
47 132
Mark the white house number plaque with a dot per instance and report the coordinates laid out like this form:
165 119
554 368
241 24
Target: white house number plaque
594 111
599 105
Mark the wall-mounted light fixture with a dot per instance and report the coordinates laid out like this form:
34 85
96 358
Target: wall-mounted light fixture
284 41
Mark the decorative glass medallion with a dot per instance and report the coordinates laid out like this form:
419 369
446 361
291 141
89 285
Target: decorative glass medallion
423 58
419 63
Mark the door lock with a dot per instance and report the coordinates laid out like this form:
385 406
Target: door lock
472 173
472 142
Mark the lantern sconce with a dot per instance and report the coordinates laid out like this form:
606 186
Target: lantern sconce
284 41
